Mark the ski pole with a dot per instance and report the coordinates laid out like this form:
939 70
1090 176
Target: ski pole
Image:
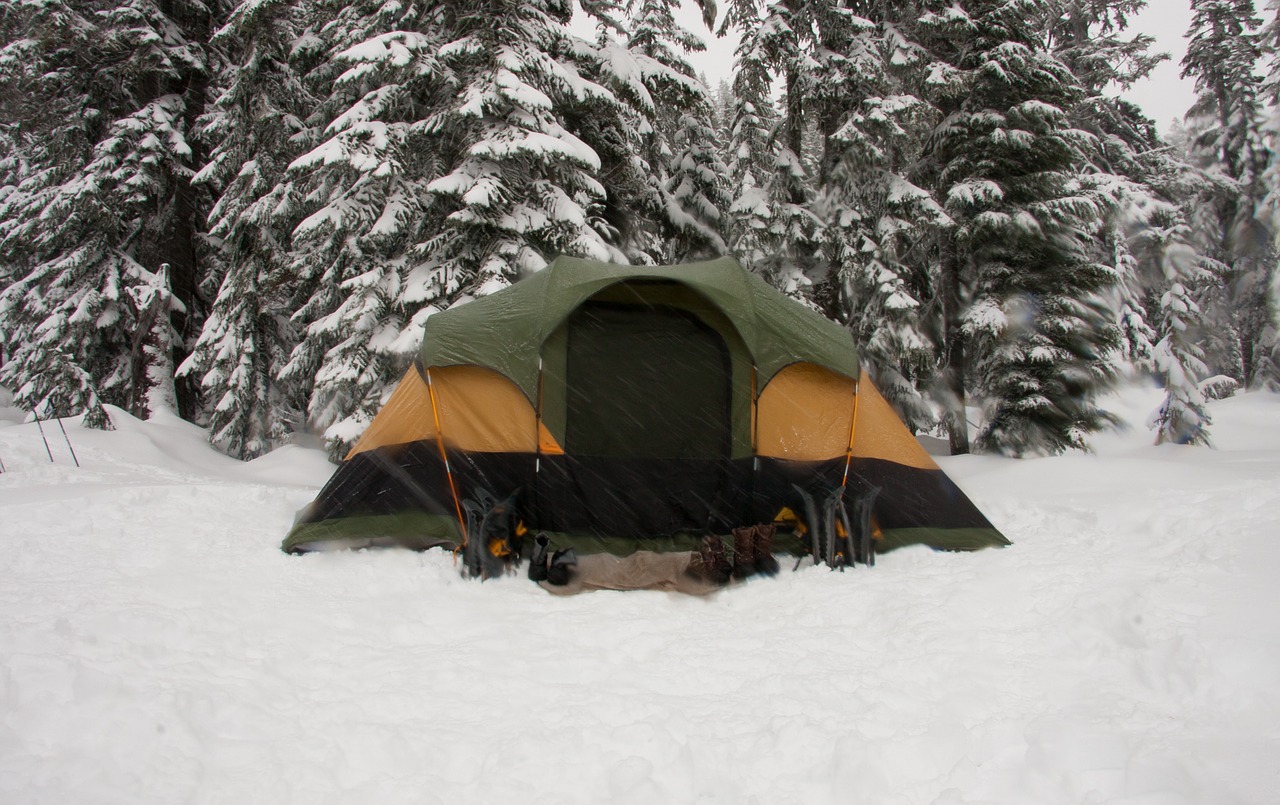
68 438
46 441
1 466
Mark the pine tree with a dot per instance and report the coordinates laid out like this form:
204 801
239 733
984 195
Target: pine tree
1163 243
687 186
696 189
364 186
524 186
1137 338
106 222
750 150
777 43
879 224
1021 292
1269 45
617 126
1227 122
447 169
258 130
1135 168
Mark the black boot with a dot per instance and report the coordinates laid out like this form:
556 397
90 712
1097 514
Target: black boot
563 562
762 545
538 562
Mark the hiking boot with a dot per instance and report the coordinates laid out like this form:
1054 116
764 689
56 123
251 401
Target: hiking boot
715 565
762 547
696 569
744 554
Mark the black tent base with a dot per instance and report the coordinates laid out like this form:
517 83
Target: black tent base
401 496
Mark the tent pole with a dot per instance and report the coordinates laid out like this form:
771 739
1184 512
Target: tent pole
537 441
853 429
755 434
444 455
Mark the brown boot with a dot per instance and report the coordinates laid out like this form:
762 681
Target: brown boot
762 546
715 565
697 568
744 554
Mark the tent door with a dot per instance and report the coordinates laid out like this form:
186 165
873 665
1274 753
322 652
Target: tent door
645 382
648 396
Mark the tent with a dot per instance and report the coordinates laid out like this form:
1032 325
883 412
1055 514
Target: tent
617 409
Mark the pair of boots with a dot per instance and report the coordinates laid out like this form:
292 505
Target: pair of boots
753 550
554 569
752 553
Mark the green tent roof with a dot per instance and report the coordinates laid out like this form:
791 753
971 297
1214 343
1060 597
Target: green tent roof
505 331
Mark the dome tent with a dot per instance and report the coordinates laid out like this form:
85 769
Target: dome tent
619 409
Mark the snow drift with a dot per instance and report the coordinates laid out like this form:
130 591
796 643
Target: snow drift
156 646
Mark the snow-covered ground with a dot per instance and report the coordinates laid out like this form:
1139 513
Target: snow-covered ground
157 647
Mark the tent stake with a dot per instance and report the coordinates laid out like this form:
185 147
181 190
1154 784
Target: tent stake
69 447
42 436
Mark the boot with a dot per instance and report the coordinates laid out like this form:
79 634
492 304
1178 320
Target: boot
762 547
744 555
563 562
538 562
716 566
696 569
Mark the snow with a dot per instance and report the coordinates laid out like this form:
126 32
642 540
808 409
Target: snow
975 192
156 646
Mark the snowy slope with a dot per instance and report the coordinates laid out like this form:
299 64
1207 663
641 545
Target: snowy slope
157 647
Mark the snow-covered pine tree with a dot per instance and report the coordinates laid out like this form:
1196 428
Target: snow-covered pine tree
448 167
1269 46
524 186
688 194
1181 418
1162 245
749 152
618 126
378 143
880 227
257 129
1137 339
1023 319
1235 231
696 188
1135 168
41 71
777 41
108 216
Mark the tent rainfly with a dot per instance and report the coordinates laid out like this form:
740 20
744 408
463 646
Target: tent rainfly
638 410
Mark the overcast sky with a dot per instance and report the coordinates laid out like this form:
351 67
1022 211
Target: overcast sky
1164 96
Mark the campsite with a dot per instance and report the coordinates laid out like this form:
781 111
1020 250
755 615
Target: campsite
156 646
758 402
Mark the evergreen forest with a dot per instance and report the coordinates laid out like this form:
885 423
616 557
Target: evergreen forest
245 213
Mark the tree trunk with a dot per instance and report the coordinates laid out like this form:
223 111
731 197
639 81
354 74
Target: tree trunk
180 241
953 354
795 118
